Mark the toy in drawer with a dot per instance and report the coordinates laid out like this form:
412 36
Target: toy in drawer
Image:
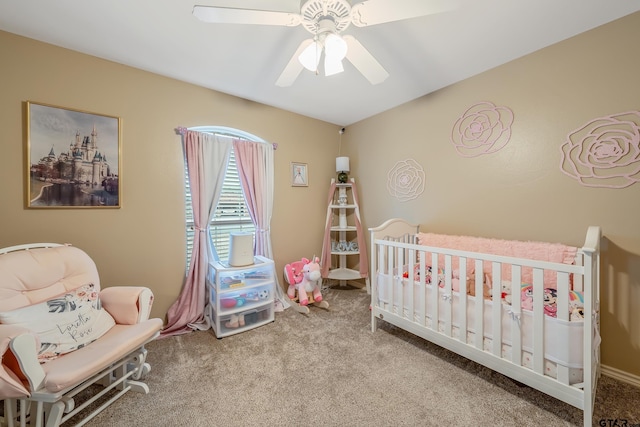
235 280
231 301
237 322
258 275
232 282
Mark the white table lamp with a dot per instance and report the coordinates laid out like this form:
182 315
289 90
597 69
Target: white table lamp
342 167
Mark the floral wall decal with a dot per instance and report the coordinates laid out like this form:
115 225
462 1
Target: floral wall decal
406 180
483 129
605 152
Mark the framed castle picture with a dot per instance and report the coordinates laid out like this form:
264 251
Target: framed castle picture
73 158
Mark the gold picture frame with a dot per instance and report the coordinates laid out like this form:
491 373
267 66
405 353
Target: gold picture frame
73 158
299 175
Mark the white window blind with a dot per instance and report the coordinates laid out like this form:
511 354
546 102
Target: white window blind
232 214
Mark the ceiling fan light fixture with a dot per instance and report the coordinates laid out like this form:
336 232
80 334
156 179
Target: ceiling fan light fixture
332 65
310 56
335 47
326 20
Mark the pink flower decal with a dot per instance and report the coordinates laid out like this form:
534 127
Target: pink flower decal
605 152
482 129
405 180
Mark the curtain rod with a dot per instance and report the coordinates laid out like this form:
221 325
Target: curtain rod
181 130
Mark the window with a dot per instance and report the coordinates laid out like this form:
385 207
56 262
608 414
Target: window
232 214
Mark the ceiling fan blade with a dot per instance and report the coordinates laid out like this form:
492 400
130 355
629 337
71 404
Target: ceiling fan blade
373 12
228 15
294 67
360 57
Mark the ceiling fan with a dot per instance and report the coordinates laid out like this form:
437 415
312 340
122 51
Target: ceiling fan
326 20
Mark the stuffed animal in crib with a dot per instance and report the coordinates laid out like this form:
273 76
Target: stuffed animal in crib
471 284
576 306
550 298
486 287
455 281
527 298
428 275
506 291
549 301
304 276
577 314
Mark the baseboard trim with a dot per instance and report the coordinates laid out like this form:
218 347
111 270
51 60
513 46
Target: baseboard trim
619 375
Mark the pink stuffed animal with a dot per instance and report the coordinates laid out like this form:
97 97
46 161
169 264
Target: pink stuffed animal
293 275
304 276
527 297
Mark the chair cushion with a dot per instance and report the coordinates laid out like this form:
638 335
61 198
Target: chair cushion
64 323
36 275
73 368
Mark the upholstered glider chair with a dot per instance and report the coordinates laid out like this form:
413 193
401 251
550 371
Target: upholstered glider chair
65 343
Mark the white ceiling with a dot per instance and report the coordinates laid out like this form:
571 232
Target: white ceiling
421 54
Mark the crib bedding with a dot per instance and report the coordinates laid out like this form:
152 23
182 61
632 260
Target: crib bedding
563 339
541 251
525 293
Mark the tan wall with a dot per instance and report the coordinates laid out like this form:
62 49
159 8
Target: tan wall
143 243
520 192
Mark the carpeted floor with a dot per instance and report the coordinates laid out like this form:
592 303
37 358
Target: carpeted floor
329 369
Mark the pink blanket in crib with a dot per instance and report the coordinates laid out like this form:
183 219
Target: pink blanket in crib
539 251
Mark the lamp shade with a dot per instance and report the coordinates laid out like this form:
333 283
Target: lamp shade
335 47
342 164
310 56
332 66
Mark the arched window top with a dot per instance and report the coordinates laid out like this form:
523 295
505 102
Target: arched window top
223 130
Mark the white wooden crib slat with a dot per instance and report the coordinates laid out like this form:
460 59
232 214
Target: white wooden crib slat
496 308
447 296
462 313
577 278
562 302
411 284
479 316
399 266
390 279
538 321
516 315
434 284
563 299
423 289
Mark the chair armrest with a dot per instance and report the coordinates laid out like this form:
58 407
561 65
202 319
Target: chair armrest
20 370
127 304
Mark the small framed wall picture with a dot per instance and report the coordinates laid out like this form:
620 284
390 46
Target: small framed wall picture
299 175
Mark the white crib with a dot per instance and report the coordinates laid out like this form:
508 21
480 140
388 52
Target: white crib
557 356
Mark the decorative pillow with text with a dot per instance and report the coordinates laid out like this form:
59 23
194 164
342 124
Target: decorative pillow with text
64 323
